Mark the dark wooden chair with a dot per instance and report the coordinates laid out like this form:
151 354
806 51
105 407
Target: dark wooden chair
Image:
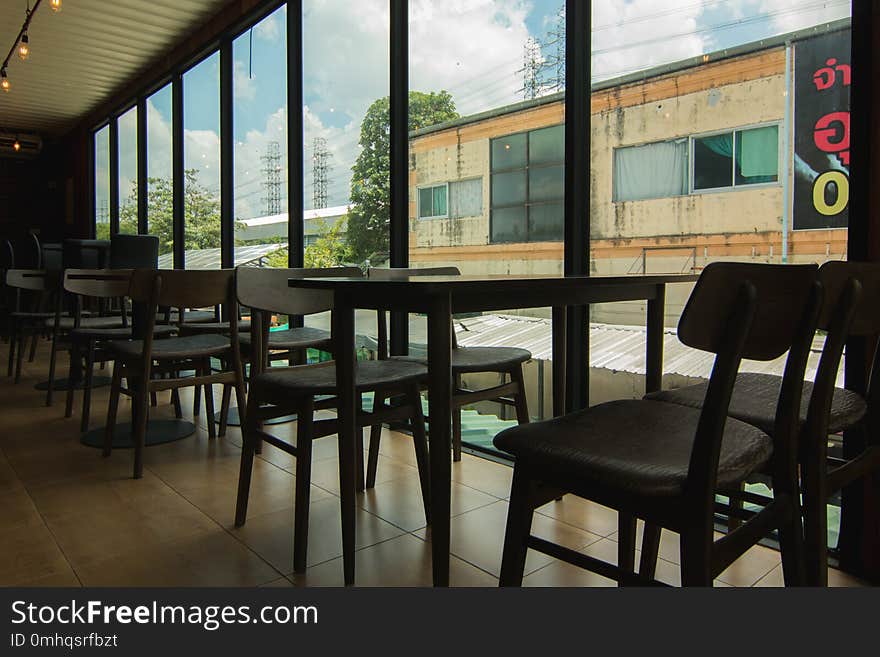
290 344
664 462
152 365
850 309
31 287
280 391
505 361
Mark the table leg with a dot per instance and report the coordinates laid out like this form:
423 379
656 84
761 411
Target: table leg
654 340
343 335
558 329
439 411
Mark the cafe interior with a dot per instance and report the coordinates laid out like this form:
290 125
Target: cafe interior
184 406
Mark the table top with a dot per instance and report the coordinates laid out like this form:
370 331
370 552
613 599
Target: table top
497 292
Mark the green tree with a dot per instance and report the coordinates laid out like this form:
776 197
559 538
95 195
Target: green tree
329 250
370 182
201 211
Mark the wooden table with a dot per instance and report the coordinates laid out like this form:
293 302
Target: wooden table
439 297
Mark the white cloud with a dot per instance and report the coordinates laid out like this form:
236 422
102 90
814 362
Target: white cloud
244 83
791 15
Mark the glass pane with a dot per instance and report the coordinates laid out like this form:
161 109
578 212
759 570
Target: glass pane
509 152
102 183
546 222
509 225
425 202
128 172
440 201
508 188
546 184
260 133
757 155
466 198
650 171
547 145
160 173
713 161
201 156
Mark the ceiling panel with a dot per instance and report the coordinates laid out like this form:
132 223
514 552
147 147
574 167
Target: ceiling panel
84 53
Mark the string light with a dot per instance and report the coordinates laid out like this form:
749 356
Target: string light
55 5
24 48
4 81
21 45
16 146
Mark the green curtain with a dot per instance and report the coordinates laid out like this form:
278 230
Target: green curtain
758 152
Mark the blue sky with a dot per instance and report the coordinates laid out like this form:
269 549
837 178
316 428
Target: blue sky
473 48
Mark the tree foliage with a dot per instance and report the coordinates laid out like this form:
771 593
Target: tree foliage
369 218
330 249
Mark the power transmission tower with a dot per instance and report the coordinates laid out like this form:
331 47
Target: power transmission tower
554 65
320 170
531 68
272 170
104 213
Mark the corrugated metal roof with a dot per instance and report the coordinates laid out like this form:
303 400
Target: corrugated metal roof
211 259
612 347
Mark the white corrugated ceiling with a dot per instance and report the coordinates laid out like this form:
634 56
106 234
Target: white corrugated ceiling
82 55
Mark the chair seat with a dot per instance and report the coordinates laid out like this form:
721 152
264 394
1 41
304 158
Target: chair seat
479 359
279 384
755 396
244 326
190 316
119 333
190 346
639 447
87 322
293 338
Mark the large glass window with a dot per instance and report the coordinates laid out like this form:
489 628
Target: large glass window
528 170
201 157
160 173
260 134
128 172
102 183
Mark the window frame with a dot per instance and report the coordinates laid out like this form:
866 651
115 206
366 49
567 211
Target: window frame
419 188
525 169
733 185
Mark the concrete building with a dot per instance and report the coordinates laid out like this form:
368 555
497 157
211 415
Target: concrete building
690 162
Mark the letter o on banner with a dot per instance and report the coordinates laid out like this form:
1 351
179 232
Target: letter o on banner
841 180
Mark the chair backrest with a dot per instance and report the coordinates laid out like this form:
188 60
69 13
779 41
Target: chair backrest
267 289
782 293
396 274
84 254
182 288
31 279
51 256
99 283
834 276
134 251
7 255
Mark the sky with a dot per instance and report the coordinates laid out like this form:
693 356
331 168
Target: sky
471 48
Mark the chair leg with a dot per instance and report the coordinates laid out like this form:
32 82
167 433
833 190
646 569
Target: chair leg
791 542
359 462
53 356
75 361
456 425
87 387
209 402
22 344
304 433
650 550
519 526
248 427
112 408
13 339
375 438
420 442
520 399
695 550
735 504
34 337
175 399
626 542
139 409
197 399
224 409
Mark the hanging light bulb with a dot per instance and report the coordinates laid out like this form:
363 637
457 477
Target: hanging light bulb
55 5
16 146
23 48
4 81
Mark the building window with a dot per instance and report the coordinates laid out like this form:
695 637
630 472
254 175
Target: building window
528 186
432 202
657 170
736 158
466 198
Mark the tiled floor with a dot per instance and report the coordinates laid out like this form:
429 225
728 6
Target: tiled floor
73 518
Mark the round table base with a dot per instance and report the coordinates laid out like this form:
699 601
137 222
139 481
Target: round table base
158 432
64 384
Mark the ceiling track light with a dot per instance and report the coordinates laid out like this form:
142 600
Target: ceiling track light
21 45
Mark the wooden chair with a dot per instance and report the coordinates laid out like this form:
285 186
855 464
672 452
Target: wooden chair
850 309
141 361
86 341
280 391
30 286
664 462
505 361
291 343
